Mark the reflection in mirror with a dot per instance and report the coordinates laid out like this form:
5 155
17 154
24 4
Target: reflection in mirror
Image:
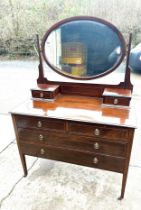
118 73
84 49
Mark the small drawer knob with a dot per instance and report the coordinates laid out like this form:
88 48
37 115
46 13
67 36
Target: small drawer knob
42 151
95 160
39 124
115 101
96 145
97 132
41 137
41 95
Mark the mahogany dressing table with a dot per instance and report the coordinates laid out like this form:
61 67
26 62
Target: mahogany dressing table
71 117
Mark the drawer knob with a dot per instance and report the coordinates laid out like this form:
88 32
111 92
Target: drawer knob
115 101
96 145
39 124
42 151
95 160
97 132
41 137
41 95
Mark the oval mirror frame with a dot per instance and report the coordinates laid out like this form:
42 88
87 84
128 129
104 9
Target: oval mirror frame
77 68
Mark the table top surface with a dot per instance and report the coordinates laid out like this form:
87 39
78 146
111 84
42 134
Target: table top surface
79 108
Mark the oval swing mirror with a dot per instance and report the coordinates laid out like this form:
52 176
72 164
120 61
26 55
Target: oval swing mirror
83 47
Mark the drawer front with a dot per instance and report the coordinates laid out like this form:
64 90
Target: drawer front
40 123
99 131
42 94
116 101
72 142
76 157
49 93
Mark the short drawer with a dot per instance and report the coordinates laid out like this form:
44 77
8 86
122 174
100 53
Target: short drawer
76 157
99 131
79 143
49 93
23 121
116 100
41 94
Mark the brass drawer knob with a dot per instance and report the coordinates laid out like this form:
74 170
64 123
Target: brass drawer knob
97 132
41 137
115 101
95 160
39 124
42 151
41 95
96 145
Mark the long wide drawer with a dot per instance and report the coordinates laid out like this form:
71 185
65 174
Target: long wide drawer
76 157
72 141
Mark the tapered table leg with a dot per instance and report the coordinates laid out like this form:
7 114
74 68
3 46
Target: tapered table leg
124 179
23 164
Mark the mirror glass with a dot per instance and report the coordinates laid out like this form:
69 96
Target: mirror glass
83 48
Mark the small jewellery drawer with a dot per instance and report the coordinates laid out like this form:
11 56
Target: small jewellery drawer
78 143
117 96
99 131
49 93
116 100
76 157
42 94
23 121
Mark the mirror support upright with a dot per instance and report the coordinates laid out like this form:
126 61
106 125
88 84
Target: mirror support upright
41 81
127 81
